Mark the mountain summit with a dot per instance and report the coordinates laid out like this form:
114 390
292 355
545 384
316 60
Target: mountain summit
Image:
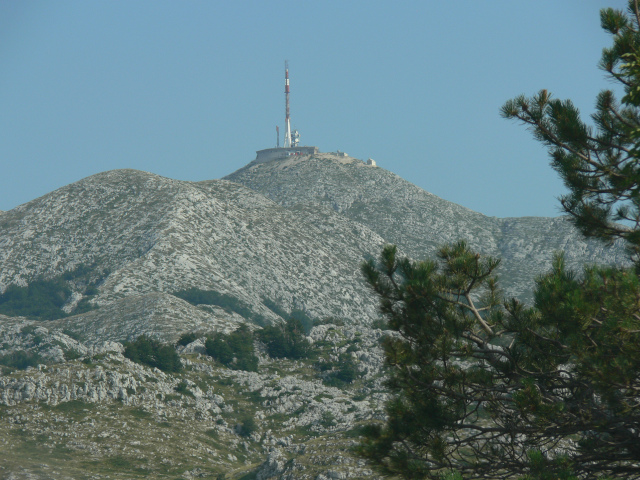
139 233
289 232
418 221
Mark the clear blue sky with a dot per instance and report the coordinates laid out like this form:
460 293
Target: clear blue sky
191 89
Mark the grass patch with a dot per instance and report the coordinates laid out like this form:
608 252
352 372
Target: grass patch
126 464
140 414
254 396
74 408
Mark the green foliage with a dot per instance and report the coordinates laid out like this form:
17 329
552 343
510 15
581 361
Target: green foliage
599 165
481 387
275 308
20 359
183 388
153 353
195 296
355 432
28 329
247 426
80 271
187 338
91 290
44 298
304 320
328 419
69 333
338 322
234 350
296 314
40 299
341 373
71 354
286 340
83 306
537 393
379 324
140 414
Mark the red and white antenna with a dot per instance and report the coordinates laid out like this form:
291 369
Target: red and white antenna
287 121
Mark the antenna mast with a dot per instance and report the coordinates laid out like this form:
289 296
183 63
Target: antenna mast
287 121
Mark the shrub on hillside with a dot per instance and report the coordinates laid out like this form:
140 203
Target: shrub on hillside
343 372
247 427
274 307
196 296
186 338
20 359
40 299
297 314
44 298
286 340
305 320
234 350
153 353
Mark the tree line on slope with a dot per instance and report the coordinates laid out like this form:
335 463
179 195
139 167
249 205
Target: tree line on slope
43 298
236 350
229 303
490 388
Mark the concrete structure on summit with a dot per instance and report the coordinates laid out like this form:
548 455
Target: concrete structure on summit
291 138
269 154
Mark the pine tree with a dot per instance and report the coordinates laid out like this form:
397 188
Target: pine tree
493 391
484 390
599 165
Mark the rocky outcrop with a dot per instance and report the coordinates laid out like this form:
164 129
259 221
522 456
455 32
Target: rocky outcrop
419 222
109 404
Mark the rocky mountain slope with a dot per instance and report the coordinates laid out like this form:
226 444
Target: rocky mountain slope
272 238
100 416
136 233
418 221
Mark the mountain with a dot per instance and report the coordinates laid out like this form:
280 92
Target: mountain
418 221
289 232
135 233
114 254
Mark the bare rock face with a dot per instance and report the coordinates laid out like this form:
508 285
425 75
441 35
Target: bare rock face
294 234
142 237
418 221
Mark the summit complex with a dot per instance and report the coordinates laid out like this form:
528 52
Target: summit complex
291 138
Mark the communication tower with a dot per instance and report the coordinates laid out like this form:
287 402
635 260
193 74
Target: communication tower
290 146
287 120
